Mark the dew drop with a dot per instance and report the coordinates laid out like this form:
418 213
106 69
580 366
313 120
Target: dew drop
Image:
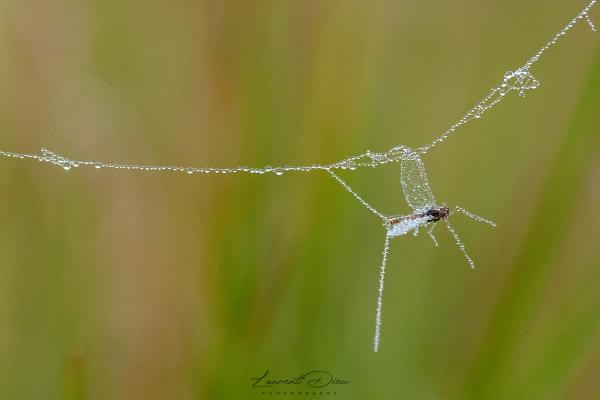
97 164
190 170
278 171
75 163
66 165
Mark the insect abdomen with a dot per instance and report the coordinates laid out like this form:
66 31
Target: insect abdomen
405 225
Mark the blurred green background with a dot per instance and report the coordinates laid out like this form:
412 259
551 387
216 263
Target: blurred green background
132 285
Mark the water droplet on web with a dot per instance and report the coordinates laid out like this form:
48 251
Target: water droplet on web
278 171
190 170
75 163
66 165
98 165
589 21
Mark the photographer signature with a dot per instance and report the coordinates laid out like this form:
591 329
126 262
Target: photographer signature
315 379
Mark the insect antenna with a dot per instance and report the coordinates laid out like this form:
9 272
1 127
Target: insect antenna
475 217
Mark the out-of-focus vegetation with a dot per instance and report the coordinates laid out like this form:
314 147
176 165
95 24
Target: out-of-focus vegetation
132 285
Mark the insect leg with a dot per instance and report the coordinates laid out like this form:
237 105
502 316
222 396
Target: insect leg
460 244
430 232
475 217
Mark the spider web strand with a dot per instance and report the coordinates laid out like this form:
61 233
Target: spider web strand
348 188
519 80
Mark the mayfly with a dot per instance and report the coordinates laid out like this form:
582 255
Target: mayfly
426 211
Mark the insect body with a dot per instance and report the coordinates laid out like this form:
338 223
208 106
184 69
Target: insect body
419 196
401 225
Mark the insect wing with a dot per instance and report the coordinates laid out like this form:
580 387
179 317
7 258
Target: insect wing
414 183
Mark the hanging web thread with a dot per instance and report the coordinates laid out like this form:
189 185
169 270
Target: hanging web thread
380 298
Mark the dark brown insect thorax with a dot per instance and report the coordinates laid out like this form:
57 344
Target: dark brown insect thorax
437 214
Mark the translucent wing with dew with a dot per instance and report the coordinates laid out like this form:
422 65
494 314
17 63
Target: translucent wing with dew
414 183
